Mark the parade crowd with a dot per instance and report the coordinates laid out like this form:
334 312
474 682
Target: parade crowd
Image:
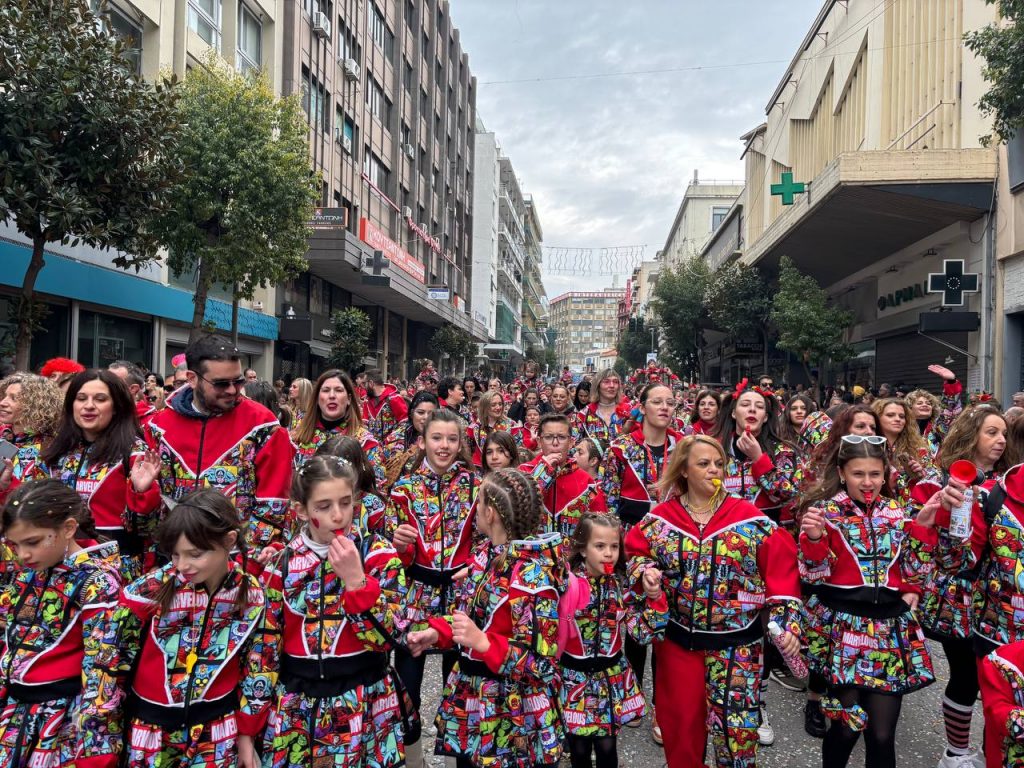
207 569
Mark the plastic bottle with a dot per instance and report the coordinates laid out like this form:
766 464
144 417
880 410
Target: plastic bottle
960 515
795 663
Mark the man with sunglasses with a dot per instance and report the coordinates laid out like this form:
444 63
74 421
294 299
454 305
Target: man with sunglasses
210 436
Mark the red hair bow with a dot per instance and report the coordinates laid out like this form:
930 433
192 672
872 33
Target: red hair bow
984 397
740 388
624 409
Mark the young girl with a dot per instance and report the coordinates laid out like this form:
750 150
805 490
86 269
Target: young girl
500 451
60 700
187 630
333 611
429 518
500 702
590 453
369 514
600 692
867 561
491 417
401 445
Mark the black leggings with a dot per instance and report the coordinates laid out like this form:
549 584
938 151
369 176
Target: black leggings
580 748
883 712
636 655
962 687
410 672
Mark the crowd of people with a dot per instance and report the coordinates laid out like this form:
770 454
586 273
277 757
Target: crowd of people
206 569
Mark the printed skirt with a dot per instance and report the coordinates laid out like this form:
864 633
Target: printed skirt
888 655
39 734
598 702
210 745
946 608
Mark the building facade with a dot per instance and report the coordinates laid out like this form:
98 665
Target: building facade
704 207
535 300
585 326
876 116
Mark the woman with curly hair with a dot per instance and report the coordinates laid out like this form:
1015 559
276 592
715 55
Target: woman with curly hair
908 453
30 412
935 416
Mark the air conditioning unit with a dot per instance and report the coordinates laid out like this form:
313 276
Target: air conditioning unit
321 25
351 69
410 151
346 144
407 212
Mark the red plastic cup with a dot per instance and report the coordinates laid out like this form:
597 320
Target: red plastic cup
964 471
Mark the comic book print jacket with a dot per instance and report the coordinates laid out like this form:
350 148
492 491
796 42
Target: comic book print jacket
592 425
371 447
766 483
631 475
568 493
55 626
999 547
1001 679
476 434
442 509
23 465
867 555
311 616
382 414
718 581
244 454
938 425
196 651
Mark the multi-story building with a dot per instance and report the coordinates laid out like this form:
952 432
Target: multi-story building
534 297
97 313
585 325
391 104
703 209
877 116
484 282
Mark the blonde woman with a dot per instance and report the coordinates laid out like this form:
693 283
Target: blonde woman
30 412
606 416
491 417
300 398
908 453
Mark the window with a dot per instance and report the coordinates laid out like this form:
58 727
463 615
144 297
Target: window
407 76
410 14
378 104
250 40
376 171
348 48
204 20
130 33
377 25
718 214
315 102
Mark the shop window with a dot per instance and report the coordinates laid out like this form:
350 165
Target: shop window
104 338
50 342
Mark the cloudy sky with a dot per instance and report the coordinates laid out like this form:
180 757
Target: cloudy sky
607 159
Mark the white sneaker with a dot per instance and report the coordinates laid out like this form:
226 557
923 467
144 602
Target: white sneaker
765 732
971 760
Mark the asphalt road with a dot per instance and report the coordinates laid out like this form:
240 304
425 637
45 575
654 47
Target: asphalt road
919 740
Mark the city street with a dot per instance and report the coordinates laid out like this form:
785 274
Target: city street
919 740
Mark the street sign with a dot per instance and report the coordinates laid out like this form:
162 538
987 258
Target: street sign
952 283
788 188
439 293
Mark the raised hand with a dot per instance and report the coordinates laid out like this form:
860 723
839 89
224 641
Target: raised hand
145 471
943 371
813 523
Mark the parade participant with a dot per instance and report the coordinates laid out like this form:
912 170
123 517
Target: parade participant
500 451
909 455
212 437
791 423
567 491
606 415
263 393
560 401
978 436
490 418
56 369
935 417
705 414
384 409
590 453
500 702
494 384
402 444
300 398
429 518
369 500
600 691
531 379
470 386
715 626
335 410
60 700
1002 696
450 394
137 388
581 396
530 399
30 409
187 630
99 452
320 663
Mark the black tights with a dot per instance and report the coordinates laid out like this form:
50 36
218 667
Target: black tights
636 655
962 687
410 671
883 712
603 747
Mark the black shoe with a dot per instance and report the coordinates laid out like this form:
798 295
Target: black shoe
814 720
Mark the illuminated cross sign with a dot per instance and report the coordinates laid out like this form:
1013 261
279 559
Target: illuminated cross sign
788 188
952 283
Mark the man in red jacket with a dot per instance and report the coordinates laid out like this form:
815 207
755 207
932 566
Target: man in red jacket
130 374
384 409
210 436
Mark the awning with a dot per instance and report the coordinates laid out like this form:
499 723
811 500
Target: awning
318 348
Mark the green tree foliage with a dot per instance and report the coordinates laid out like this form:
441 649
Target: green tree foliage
452 341
1002 47
807 324
85 147
350 335
634 344
678 303
738 301
240 216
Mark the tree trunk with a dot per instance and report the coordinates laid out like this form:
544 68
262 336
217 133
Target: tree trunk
23 340
199 303
234 316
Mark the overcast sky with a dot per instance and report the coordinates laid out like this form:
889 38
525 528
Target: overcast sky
608 159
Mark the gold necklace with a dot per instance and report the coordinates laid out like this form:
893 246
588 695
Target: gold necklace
700 516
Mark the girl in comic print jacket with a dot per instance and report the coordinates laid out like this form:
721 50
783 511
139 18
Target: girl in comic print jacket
334 611
500 702
187 630
60 694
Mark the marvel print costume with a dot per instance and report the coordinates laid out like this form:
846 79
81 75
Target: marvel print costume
999 546
591 424
323 433
476 434
632 471
766 483
1002 694
60 690
383 414
568 493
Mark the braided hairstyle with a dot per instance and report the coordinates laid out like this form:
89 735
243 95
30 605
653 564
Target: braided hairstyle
516 499
48 503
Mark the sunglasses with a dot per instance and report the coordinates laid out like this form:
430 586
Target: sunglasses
223 384
152 398
869 439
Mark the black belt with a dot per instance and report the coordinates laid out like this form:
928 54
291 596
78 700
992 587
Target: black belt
176 718
863 602
431 576
39 694
591 664
474 668
711 641
322 678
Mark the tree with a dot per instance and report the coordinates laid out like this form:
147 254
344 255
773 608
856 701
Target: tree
678 303
634 344
739 303
1002 47
85 146
452 341
240 216
350 334
808 326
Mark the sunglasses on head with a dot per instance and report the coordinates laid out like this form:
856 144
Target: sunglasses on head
869 439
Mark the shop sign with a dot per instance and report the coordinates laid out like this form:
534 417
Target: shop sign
442 293
902 296
376 239
329 219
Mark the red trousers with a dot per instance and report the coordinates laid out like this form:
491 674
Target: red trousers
728 704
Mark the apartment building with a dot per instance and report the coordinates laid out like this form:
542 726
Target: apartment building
585 325
391 104
535 301
704 208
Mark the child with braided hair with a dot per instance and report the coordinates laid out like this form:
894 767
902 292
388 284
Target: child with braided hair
500 702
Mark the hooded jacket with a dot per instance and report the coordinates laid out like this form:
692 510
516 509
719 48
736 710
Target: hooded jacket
382 414
998 545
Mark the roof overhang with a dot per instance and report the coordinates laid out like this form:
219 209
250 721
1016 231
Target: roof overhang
867 205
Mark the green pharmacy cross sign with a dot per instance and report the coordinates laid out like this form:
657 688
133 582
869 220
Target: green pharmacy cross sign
788 188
